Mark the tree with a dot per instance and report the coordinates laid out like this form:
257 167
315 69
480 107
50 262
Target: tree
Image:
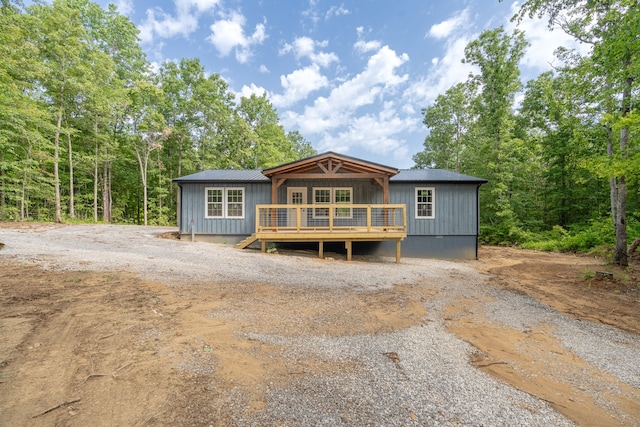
611 28
116 60
562 123
450 120
23 117
63 53
301 147
266 143
497 54
148 129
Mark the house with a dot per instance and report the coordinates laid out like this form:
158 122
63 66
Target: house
372 208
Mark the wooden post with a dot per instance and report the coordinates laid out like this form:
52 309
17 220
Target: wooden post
398 251
347 244
331 207
321 249
257 219
264 246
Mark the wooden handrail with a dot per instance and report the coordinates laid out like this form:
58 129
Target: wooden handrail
391 215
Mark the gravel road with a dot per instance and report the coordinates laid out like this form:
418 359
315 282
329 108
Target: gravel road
432 378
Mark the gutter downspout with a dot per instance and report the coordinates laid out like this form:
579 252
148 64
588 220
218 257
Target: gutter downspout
477 218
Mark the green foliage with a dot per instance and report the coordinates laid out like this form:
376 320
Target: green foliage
579 238
89 133
561 166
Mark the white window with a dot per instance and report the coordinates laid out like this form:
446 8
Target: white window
235 202
215 205
425 203
321 196
224 202
338 196
342 196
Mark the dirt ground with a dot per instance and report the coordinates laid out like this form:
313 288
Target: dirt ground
79 348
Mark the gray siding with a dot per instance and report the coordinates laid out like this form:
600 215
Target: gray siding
456 209
451 234
364 190
192 207
445 247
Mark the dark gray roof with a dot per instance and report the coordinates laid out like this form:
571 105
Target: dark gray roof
226 175
255 175
434 175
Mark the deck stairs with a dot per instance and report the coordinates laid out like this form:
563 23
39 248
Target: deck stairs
246 242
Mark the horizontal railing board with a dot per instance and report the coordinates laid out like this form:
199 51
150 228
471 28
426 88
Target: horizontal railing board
337 221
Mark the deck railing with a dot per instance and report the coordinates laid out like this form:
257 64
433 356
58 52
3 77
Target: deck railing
331 218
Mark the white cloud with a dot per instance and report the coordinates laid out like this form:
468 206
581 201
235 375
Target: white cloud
247 91
445 28
540 54
263 69
376 134
159 23
305 47
336 11
362 46
312 12
443 73
228 34
377 80
125 7
299 84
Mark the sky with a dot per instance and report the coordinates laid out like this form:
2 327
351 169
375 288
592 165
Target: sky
351 76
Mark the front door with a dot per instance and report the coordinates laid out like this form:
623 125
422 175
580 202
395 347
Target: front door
297 196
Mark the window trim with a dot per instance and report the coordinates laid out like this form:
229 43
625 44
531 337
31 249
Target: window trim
432 203
206 202
225 202
332 201
333 198
315 202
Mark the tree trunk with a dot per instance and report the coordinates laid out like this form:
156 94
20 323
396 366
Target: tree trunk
106 192
621 215
143 163
23 192
56 160
621 223
159 188
613 187
72 213
95 174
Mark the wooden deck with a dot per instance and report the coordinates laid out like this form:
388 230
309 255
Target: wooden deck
331 223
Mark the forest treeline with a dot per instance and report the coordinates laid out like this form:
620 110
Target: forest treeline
89 132
561 152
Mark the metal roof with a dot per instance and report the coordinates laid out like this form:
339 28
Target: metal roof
434 175
226 175
255 175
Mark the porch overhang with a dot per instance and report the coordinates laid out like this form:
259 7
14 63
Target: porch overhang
330 166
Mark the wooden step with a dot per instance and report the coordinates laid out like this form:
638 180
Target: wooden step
246 242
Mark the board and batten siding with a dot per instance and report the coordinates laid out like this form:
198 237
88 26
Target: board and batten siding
364 190
456 209
192 207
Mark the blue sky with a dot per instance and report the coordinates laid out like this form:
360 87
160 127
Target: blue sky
351 76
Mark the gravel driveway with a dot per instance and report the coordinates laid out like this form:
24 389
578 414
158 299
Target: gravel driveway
420 375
